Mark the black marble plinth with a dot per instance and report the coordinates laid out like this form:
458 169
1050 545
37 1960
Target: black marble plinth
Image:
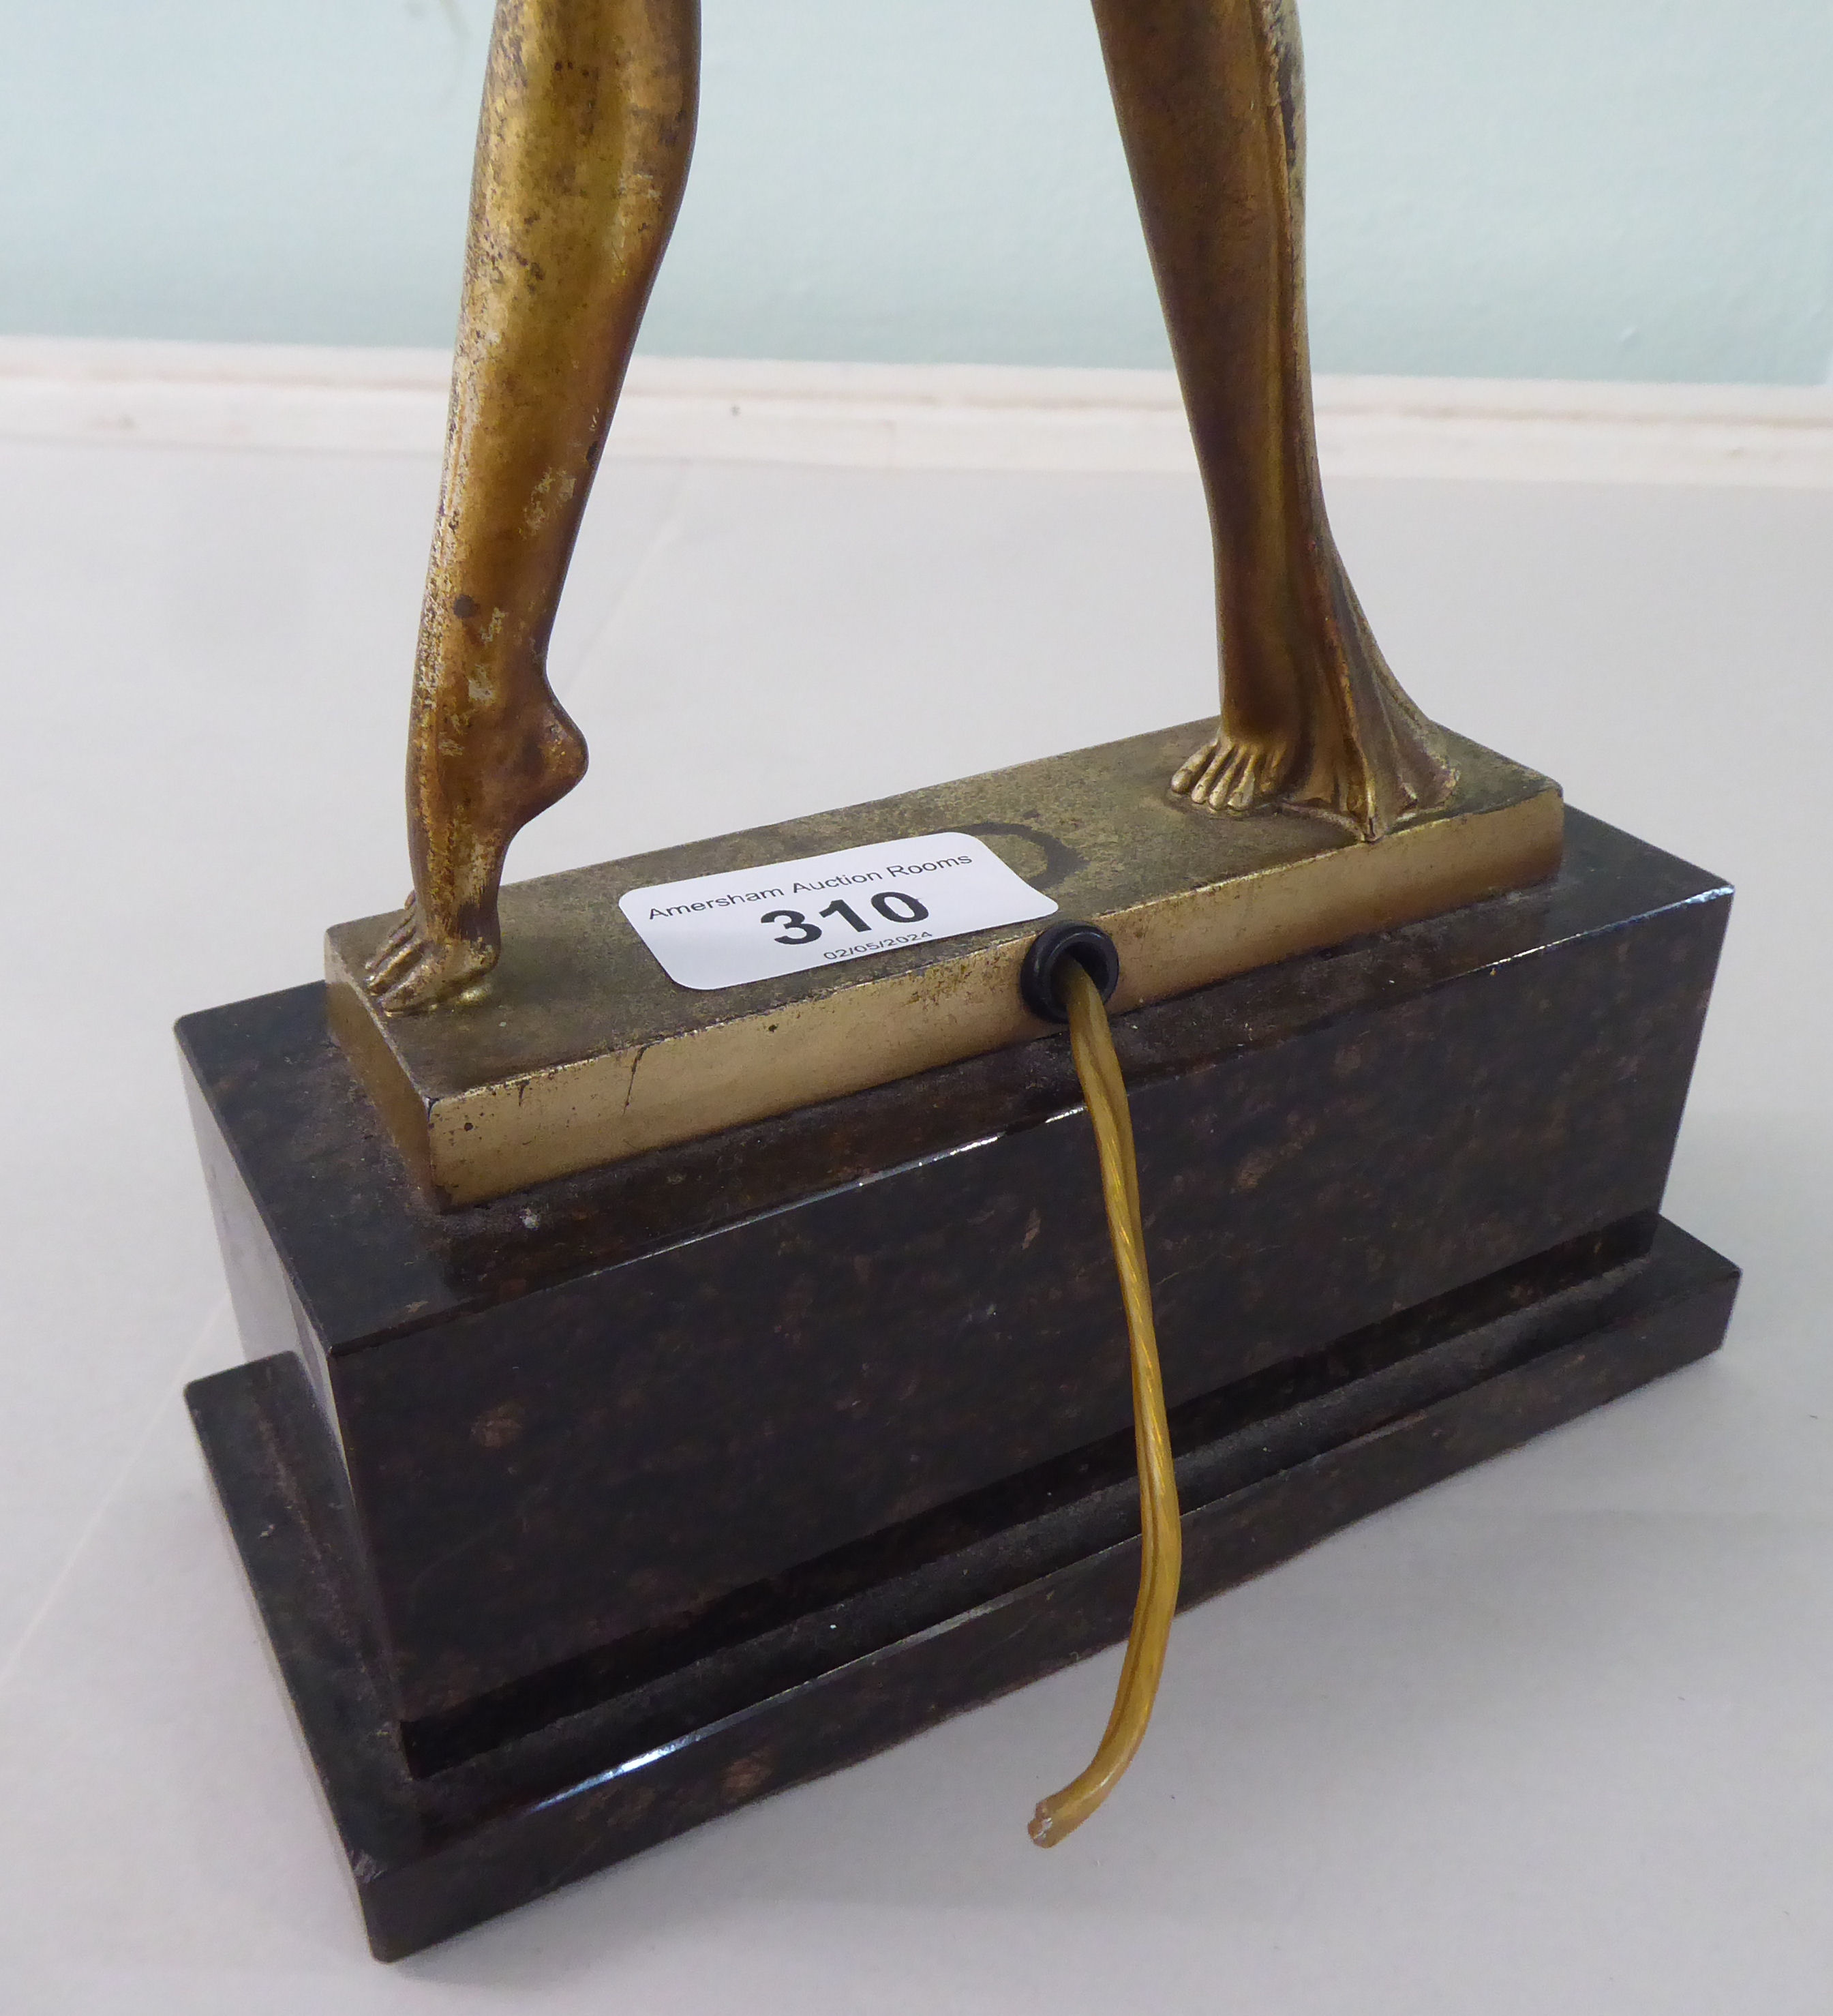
638 1450
876 1643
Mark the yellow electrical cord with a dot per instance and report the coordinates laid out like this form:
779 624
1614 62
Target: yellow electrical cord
1162 1544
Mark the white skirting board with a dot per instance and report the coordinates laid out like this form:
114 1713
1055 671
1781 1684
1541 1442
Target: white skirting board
925 416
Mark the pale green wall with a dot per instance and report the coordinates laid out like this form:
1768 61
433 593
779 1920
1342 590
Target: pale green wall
1568 188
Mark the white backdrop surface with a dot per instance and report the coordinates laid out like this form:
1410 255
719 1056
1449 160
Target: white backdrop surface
1553 1735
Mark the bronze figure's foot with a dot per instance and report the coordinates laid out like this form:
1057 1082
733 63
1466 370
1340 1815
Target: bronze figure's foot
414 969
1371 786
1235 776
1370 790
1346 743
447 938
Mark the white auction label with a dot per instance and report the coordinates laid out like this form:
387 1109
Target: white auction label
791 917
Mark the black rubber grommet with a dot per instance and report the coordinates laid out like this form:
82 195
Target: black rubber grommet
1091 948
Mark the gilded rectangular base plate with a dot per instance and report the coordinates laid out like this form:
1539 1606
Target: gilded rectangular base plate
580 1050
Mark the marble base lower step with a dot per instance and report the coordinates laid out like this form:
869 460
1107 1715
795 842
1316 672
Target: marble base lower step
855 1652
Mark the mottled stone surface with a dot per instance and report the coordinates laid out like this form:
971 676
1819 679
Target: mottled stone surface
595 1419
841 1658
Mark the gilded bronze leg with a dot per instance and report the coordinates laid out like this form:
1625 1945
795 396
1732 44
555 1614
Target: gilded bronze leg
1210 98
582 157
